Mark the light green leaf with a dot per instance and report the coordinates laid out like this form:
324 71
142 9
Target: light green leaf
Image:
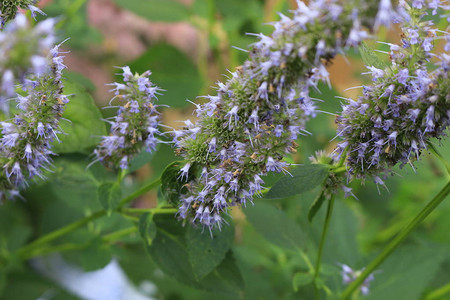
370 58
303 179
301 279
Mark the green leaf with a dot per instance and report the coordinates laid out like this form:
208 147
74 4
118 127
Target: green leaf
207 252
370 58
157 10
303 179
171 187
109 194
96 256
26 284
147 228
317 204
73 184
275 226
169 252
301 279
84 126
15 229
173 71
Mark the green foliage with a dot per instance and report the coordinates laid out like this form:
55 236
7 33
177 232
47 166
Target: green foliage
169 250
173 71
275 226
157 10
301 279
303 179
370 58
205 253
83 126
147 228
171 184
407 272
109 194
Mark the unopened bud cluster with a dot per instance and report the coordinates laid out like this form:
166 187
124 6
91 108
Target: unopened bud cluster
136 124
253 122
23 51
26 138
405 106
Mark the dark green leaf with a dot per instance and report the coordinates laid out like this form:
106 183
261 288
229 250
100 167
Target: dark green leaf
206 252
301 279
147 228
96 256
14 227
109 194
157 10
370 58
275 226
169 252
303 179
173 71
84 126
26 284
317 204
171 186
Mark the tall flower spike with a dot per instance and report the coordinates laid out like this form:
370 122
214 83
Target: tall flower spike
23 51
25 145
248 128
136 124
8 9
404 107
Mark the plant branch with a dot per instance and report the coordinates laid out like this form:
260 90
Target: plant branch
77 224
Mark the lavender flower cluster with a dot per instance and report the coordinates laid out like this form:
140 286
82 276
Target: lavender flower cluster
405 106
23 51
253 122
8 9
136 124
26 139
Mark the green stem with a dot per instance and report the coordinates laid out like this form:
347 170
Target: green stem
326 225
109 238
437 294
397 240
77 224
339 170
60 232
